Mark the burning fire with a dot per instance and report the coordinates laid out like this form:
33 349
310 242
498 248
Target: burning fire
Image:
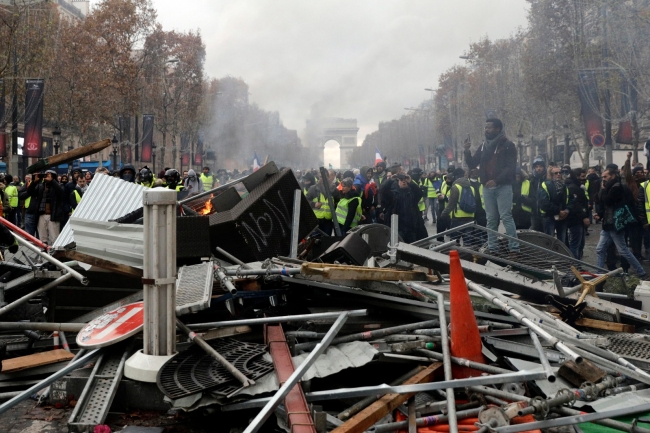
207 208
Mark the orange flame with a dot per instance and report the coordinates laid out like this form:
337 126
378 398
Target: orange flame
207 208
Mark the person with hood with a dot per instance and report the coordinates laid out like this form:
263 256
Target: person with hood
319 203
521 201
611 204
193 183
496 159
308 180
361 179
453 210
539 177
348 210
401 198
127 173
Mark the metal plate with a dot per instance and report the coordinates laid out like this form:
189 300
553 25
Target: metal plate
99 392
195 371
194 288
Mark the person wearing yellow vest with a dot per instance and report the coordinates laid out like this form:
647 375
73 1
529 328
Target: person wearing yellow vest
207 179
173 180
443 198
319 203
521 200
431 196
453 210
348 210
416 176
553 205
77 193
11 191
308 180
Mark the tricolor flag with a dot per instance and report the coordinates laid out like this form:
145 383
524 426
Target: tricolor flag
378 157
256 162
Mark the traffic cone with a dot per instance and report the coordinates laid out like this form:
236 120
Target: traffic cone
464 333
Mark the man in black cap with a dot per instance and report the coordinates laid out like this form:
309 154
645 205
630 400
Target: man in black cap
401 198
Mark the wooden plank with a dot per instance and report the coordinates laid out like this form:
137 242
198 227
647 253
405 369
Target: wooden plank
68 156
577 374
35 360
102 263
344 272
389 402
601 324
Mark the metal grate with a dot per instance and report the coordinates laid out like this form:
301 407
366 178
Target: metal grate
97 396
633 347
194 288
475 240
195 371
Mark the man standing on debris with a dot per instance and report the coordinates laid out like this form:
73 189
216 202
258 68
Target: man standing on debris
612 207
348 211
379 177
496 159
319 203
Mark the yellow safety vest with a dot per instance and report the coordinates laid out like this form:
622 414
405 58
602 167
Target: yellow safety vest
587 189
545 188
178 188
431 191
445 189
421 205
342 211
207 181
304 191
458 212
324 211
77 197
12 192
525 190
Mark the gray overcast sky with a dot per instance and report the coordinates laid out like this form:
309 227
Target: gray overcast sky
363 59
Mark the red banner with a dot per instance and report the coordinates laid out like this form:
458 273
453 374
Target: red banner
590 104
198 155
147 137
33 118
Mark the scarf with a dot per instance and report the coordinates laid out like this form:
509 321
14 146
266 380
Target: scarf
491 145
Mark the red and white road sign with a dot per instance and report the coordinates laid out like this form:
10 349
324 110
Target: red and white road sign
112 327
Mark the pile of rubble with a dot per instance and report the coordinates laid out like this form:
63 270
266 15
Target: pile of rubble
230 303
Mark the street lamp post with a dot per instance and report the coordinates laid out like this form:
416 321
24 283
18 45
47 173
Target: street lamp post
56 138
567 140
114 161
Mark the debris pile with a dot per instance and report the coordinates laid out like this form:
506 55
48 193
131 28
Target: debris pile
230 303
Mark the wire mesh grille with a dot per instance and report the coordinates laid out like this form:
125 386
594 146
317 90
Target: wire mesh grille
194 288
194 370
480 242
630 347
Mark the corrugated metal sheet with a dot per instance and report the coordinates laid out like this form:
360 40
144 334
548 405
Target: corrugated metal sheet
120 243
107 198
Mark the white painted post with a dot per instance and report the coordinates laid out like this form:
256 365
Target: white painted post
159 285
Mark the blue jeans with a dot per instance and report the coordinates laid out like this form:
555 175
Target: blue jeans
577 240
609 236
498 206
31 221
551 226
